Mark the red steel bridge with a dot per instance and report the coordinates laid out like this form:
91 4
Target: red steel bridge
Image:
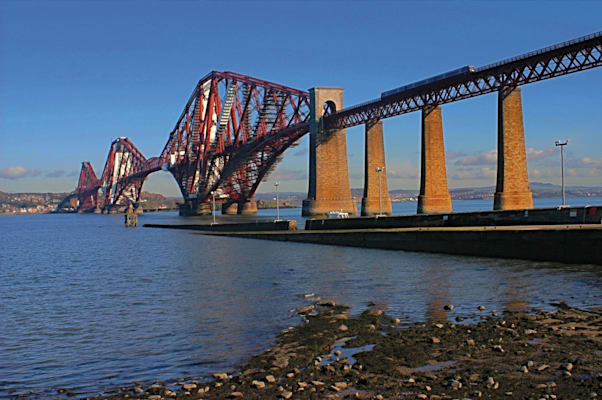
235 128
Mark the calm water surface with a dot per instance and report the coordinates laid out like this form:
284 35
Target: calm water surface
88 305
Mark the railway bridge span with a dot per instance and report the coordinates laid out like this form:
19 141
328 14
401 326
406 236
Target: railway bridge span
234 129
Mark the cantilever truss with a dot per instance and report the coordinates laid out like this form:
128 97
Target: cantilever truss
562 59
231 133
121 181
234 128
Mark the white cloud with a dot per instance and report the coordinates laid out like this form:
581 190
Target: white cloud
473 173
16 172
482 158
537 154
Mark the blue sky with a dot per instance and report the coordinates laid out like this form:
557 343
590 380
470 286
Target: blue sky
75 75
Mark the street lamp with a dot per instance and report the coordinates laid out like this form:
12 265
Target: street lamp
277 202
213 208
561 144
380 206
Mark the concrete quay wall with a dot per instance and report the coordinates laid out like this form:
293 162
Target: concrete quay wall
242 227
575 244
540 216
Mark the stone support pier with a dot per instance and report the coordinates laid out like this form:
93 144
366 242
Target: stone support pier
249 207
512 189
230 208
329 188
374 203
203 209
434 193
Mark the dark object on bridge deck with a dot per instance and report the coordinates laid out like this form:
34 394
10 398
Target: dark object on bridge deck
538 216
243 227
131 218
574 244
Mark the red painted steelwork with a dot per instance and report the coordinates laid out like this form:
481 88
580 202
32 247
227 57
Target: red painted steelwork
231 133
562 59
235 128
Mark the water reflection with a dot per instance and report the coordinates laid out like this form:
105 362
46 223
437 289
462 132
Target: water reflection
87 304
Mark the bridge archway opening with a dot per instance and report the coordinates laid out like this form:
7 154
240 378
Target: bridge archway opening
329 108
163 182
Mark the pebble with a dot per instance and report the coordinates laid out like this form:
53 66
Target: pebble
568 367
337 353
411 380
440 326
498 348
470 342
270 378
343 327
435 340
379 397
448 307
428 388
258 384
290 375
568 373
481 308
302 384
456 384
530 331
543 367
154 397
286 394
236 395
317 383
306 309
397 320
524 369
341 385
530 364
508 393
422 396
221 376
189 386
169 393
490 381
138 390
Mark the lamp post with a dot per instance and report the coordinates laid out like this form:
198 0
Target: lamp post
277 202
561 144
380 206
213 208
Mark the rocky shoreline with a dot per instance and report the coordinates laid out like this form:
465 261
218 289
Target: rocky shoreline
511 355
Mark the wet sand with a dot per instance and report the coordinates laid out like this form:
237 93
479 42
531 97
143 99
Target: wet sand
332 355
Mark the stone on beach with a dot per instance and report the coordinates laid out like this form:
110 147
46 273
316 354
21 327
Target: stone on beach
258 384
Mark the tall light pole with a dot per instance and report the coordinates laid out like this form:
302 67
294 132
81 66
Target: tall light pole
213 208
380 205
277 202
561 144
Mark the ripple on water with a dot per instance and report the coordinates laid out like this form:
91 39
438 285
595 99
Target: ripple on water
88 305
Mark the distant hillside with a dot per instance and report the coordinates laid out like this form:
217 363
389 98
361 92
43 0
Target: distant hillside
540 190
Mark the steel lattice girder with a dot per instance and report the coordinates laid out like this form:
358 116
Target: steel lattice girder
118 176
565 58
214 145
